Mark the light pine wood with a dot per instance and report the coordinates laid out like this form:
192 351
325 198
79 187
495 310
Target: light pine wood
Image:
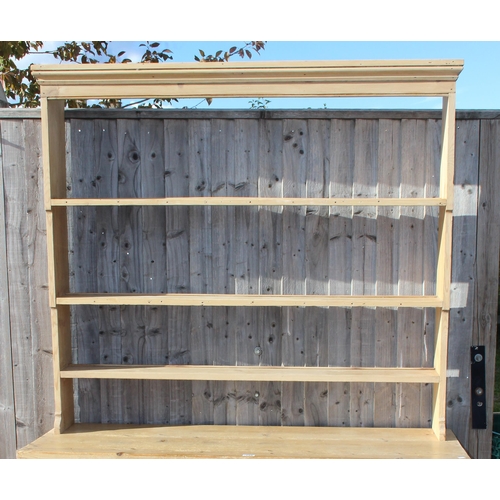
440 365
200 441
63 388
245 200
54 154
252 373
307 209
192 299
270 79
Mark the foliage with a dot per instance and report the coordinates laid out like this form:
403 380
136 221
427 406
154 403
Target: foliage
22 90
259 103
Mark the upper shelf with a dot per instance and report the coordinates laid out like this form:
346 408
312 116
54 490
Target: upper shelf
257 201
249 79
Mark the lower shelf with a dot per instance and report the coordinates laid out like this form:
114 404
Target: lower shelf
220 441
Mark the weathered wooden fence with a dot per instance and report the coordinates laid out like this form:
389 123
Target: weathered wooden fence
365 250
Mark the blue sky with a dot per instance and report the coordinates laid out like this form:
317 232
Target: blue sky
477 87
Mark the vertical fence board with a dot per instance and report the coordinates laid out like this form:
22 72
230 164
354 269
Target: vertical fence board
130 254
82 262
364 240
246 271
153 343
295 151
410 321
488 237
13 147
178 265
108 263
43 382
271 263
7 409
340 265
200 258
389 160
224 340
317 279
464 278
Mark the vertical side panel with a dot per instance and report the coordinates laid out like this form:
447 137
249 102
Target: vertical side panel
7 409
64 410
430 252
54 149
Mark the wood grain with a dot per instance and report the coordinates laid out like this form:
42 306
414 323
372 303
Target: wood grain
121 441
486 305
15 192
7 409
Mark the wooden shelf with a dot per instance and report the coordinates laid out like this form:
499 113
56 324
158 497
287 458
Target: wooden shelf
225 441
226 300
280 79
253 373
246 201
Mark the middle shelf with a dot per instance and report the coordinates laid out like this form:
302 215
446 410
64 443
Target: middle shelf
188 299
